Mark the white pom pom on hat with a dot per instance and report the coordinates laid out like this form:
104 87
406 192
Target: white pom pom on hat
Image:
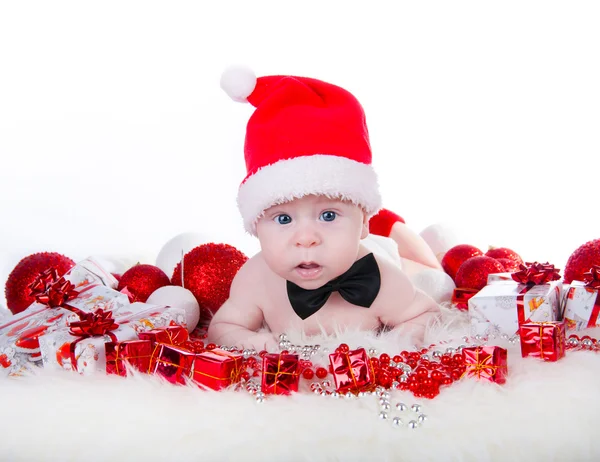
238 82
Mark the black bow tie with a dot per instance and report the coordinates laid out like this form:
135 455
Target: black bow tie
359 286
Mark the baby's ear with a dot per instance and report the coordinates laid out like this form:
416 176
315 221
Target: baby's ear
365 226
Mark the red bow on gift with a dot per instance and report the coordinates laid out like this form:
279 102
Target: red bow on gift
592 277
43 282
536 273
48 289
94 324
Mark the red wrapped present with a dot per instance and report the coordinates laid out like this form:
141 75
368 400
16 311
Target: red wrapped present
352 371
544 340
461 296
172 362
280 373
171 335
488 362
217 368
137 353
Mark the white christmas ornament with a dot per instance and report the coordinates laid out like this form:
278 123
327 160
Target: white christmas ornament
174 250
440 238
435 283
178 297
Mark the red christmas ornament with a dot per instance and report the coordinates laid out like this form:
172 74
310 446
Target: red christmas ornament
510 266
582 260
141 280
17 290
208 271
456 256
504 252
474 272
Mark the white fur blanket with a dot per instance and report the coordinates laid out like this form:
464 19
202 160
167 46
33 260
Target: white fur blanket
545 412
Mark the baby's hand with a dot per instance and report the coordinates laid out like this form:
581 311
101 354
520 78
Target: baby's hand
263 341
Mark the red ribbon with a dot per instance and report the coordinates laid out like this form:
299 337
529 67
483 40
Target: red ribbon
532 274
592 282
592 277
54 292
94 324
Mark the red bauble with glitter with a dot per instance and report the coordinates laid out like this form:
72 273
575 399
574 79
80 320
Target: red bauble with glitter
456 256
510 266
141 280
208 271
474 272
504 252
582 260
17 289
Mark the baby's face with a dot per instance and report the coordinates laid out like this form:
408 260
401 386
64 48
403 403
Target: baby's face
312 240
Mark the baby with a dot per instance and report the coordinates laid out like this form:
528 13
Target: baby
308 197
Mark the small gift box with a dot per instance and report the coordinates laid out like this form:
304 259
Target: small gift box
82 346
461 296
171 335
352 371
534 295
486 362
582 303
131 353
544 340
59 301
217 368
173 362
280 373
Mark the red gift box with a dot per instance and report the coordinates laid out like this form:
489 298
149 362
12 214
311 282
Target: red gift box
217 368
488 362
172 362
137 353
461 296
280 373
171 335
544 340
352 371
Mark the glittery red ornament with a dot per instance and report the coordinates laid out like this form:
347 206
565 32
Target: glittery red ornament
208 271
142 280
473 273
456 256
582 260
504 252
510 266
17 289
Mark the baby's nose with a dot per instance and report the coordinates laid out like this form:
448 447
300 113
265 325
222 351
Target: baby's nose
307 237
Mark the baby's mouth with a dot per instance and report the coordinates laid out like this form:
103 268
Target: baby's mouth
309 270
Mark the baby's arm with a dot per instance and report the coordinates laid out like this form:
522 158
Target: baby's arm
405 305
236 323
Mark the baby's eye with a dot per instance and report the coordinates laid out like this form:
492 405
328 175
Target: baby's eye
283 219
328 216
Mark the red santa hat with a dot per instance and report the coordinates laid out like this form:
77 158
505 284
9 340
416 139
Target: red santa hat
305 137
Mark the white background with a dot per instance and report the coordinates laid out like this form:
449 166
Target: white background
115 135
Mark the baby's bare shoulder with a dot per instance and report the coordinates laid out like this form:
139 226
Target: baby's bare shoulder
252 274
